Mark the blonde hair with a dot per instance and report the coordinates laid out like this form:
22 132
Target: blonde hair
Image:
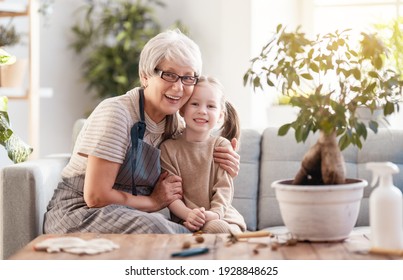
231 125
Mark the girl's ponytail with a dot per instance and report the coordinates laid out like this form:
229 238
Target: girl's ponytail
230 129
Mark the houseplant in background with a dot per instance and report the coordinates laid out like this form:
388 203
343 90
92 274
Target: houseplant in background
391 34
6 58
9 35
109 38
11 75
328 79
17 150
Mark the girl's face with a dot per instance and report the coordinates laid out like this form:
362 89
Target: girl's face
203 110
164 98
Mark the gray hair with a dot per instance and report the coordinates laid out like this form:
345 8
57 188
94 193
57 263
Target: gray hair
169 45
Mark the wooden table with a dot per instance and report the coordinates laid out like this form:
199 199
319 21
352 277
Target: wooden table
161 246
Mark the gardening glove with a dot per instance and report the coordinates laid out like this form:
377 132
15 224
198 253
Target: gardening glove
76 245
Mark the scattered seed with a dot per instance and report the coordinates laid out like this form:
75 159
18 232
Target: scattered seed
274 246
199 239
291 242
261 245
186 245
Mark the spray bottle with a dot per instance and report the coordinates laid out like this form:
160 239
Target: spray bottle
385 208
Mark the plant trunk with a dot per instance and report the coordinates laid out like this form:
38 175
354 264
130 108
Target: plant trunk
323 164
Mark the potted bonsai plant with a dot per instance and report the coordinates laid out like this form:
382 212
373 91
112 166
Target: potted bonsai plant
328 78
17 150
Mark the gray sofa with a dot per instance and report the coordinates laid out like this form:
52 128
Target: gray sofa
26 188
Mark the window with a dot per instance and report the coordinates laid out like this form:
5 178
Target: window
329 15
315 16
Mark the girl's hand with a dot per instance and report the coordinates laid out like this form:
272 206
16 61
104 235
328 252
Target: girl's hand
195 219
228 159
167 190
210 215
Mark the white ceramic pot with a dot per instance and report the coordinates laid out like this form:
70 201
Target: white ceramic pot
320 213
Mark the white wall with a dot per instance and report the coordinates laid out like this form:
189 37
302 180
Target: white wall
224 29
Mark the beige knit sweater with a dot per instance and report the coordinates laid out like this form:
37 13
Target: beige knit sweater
205 183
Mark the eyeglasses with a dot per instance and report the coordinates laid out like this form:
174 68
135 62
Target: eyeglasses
173 78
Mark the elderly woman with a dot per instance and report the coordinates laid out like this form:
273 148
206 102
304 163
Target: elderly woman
112 183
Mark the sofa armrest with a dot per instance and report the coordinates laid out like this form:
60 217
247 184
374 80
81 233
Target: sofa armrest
25 190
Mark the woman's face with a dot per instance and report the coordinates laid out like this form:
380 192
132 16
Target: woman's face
164 98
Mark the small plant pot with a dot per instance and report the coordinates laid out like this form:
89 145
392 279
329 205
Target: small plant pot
12 76
322 212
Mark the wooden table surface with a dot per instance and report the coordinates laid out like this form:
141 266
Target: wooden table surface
161 246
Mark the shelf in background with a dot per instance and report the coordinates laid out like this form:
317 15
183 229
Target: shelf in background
18 93
10 9
33 94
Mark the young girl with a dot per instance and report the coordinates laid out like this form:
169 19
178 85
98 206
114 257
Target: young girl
207 188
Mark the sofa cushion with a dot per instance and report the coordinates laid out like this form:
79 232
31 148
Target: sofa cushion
25 191
247 182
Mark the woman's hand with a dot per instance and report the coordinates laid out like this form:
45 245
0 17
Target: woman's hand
195 219
167 190
228 159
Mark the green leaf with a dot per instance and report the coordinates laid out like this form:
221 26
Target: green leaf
299 133
355 89
256 82
361 130
373 74
356 73
3 103
246 78
388 109
344 142
283 130
373 125
121 35
370 88
17 150
6 58
120 79
314 67
269 82
307 76
378 62
278 29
